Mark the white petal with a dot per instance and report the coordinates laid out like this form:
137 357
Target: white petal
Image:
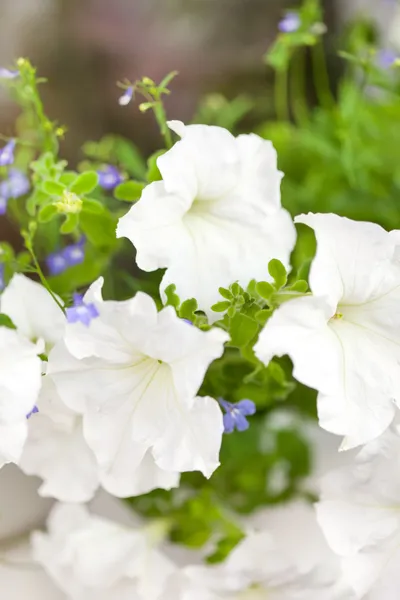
192 438
33 310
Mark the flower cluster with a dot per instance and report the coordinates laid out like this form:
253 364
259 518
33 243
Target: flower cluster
102 389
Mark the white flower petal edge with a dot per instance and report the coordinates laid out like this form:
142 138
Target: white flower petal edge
57 452
91 558
216 216
360 517
344 341
33 311
133 375
20 381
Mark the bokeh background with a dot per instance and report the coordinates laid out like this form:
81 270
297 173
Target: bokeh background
85 46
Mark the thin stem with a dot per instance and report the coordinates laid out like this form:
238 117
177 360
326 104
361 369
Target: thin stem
161 119
281 95
321 77
29 247
298 72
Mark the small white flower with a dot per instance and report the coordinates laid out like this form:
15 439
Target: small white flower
215 218
91 558
20 381
360 516
344 340
133 374
57 452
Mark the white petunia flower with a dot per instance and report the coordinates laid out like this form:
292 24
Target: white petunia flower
360 516
32 310
344 340
216 216
283 557
20 381
91 558
133 374
57 452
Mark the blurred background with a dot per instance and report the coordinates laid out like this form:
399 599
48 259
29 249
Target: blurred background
85 46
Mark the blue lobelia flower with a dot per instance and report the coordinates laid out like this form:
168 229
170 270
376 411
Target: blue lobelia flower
71 255
81 312
126 97
235 414
109 177
386 58
290 22
8 73
17 184
7 153
32 412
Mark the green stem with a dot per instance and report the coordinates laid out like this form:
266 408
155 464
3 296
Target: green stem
321 77
29 247
281 95
299 95
161 119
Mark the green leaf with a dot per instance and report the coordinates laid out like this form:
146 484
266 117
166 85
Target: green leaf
129 157
225 293
277 272
262 316
53 188
265 289
85 183
129 191
68 178
299 286
47 212
153 172
92 206
235 289
187 309
36 199
99 228
172 298
5 321
220 306
243 329
70 223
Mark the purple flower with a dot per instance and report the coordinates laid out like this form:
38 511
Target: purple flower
32 412
386 58
126 97
81 312
235 414
71 255
2 278
109 177
17 184
8 73
290 22
7 154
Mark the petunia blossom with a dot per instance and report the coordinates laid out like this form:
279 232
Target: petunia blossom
216 216
359 515
344 340
283 556
92 558
57 452
133 374
20 381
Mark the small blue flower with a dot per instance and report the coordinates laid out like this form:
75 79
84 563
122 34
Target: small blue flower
81 312
290 22
2 278
126 97
32 412
386 58
235 414
7 154
8 73
109 177
71 255
17 184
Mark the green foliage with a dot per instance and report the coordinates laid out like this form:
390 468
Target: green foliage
129 191
5 321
